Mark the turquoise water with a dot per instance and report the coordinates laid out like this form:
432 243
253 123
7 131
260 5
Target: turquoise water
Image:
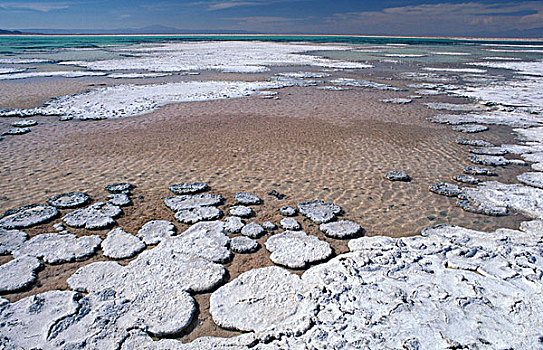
10 45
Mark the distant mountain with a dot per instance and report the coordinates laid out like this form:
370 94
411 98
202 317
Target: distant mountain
155 29
3 31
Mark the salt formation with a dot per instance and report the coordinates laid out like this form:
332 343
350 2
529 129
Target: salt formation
11 240
341 229
119 199
96 216
261 299
233 224
247 198
241 211
242 244
18 274
27 216
225 56
121 245
57 248
194 215
397 176
290 224
253 230
445 189
155 231
177 203
318 211
189 188
296 249
69 200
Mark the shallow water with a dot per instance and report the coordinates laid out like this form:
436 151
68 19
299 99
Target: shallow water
308 144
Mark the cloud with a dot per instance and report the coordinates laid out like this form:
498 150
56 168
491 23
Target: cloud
442 19
216 5
34 6
266 19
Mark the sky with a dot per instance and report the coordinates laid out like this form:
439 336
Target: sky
371 17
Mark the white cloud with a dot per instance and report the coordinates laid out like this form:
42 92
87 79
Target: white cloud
34 6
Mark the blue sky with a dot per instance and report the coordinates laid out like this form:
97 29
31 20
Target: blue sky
283 16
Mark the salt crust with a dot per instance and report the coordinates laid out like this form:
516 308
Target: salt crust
57 248
64 74
499 199
528 68
227 56
11 240
449 279
132 100
296 249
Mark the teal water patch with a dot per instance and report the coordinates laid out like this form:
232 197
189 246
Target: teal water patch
11 45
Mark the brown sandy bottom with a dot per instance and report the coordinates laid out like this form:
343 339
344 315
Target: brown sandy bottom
309 144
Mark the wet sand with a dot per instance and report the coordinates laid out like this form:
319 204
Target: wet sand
309 144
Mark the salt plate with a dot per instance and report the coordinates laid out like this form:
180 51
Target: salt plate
120 187
296 249
11 240
494 160
154 231
445 189
534 179
26 323
495 198
397 176
206 240
96 216
341 229
189 188
287 210
247 198
24 123
253 230
398 101
263 299
194 215
318 211
475 170
121 245
233 224
458 107
491 151
119 199
27 216
17 131
57 248
470 128
177 203
467 179
268 225
290 224
19 273
241 211
242 244
154 287
476 143
69 200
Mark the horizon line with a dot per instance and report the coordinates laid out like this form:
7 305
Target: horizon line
275 34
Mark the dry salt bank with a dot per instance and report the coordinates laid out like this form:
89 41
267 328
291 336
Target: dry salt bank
260 195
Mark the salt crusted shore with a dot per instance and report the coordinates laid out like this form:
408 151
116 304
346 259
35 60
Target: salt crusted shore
450 287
